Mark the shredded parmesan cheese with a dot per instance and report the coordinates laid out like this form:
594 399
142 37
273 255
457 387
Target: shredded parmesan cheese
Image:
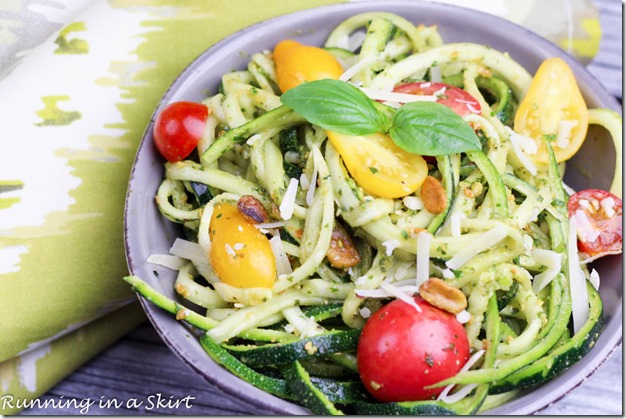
458 395
520 150
283 267
435 74
189 250
396 97
289 200
365 312
548 258
440 92
584 229
584 204
540 281
311 191
568 189
578 288
253 139
360 65
483 242
400 295
276 224
594 278
422 259
607 205
455 223
390 246
304 182
382 292
169 261
355 40
463 317
413 203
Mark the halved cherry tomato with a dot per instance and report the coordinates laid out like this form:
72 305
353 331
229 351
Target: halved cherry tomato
553 108
297 63
401 351
453 97
241 255
598 216
378 165
178 128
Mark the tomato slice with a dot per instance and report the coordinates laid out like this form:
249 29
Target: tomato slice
240 255
598 216
553 108
378 165
401 351
296 63
178 129
453 97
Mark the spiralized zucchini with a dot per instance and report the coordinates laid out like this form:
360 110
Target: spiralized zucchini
494 240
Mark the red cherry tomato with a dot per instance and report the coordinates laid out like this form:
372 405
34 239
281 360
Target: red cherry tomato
599 226
402 350
453 97
178 128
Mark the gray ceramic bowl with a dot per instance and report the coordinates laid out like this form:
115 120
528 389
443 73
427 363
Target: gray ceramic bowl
147 232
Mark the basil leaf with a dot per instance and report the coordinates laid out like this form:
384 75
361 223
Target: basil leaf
432 129
335 105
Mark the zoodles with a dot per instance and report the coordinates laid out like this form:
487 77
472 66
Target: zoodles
308 211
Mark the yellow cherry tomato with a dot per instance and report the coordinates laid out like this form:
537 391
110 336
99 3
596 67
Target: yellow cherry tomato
378 165
553 108
241 255
297 63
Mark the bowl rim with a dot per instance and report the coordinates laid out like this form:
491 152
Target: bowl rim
565 383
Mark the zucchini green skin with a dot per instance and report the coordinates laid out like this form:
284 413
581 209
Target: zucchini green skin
278 119
315 346
508 296
431 408
300 384
221 356
447 177
195 319
319 313
342 392
497 190
504 104
288 141
201 192
340 52
561 358
557 324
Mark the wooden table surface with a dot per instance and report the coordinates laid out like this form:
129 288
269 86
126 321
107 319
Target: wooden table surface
140 367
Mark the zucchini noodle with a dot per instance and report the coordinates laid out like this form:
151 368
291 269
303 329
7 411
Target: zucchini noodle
503 235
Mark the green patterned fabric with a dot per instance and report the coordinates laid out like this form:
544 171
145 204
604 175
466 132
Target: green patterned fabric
79 80
85 96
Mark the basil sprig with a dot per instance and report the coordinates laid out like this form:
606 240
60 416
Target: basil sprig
424 128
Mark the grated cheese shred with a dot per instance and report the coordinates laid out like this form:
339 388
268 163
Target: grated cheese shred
422 259
289 200
483 242
445 395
